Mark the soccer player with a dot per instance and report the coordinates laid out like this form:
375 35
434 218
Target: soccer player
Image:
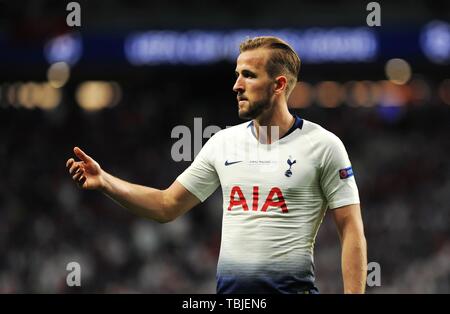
279 174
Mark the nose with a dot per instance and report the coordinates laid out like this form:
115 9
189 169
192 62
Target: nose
238 85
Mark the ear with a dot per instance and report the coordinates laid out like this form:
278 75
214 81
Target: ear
280 84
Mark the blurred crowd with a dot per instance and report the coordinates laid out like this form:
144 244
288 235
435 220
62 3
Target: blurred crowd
401 167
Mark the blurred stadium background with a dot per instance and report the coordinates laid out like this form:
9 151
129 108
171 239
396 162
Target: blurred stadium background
118 85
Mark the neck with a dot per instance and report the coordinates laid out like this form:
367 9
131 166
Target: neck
273 124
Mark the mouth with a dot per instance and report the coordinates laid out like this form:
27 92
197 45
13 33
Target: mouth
242 102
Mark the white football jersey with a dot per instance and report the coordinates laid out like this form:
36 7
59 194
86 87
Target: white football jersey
274 199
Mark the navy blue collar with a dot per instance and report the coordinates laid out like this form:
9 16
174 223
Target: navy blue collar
298 124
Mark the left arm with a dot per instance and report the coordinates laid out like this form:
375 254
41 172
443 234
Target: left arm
354 249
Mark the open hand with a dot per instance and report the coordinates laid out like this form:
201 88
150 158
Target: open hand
86 172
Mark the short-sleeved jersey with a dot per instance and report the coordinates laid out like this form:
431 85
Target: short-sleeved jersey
274 199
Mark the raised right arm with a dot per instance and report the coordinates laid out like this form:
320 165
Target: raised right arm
159 205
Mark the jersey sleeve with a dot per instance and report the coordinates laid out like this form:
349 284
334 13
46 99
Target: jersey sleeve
201 178
337 179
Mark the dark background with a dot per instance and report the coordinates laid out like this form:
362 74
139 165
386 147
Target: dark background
399 150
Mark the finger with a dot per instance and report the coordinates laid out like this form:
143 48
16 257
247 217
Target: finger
77 176
82 155
74 168
81 182
69 162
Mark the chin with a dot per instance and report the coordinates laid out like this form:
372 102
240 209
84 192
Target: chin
244 114
244 117
252 110
241 114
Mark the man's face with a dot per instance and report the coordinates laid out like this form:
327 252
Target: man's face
254 86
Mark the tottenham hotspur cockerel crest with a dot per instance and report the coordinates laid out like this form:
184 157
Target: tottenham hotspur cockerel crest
290 162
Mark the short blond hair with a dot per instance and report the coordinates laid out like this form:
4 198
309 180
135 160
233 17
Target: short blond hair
283 60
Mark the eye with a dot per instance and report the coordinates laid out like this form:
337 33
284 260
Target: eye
245 74
248 74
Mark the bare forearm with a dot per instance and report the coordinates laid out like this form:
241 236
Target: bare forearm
160 205
140 200
354 262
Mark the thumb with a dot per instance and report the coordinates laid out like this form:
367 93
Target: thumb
82 155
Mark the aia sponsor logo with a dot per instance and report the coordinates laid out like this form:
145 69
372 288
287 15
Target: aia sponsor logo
237 199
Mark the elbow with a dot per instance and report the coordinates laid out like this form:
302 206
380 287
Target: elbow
164 217
364 244
362 239
360 245
354 237
170 209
